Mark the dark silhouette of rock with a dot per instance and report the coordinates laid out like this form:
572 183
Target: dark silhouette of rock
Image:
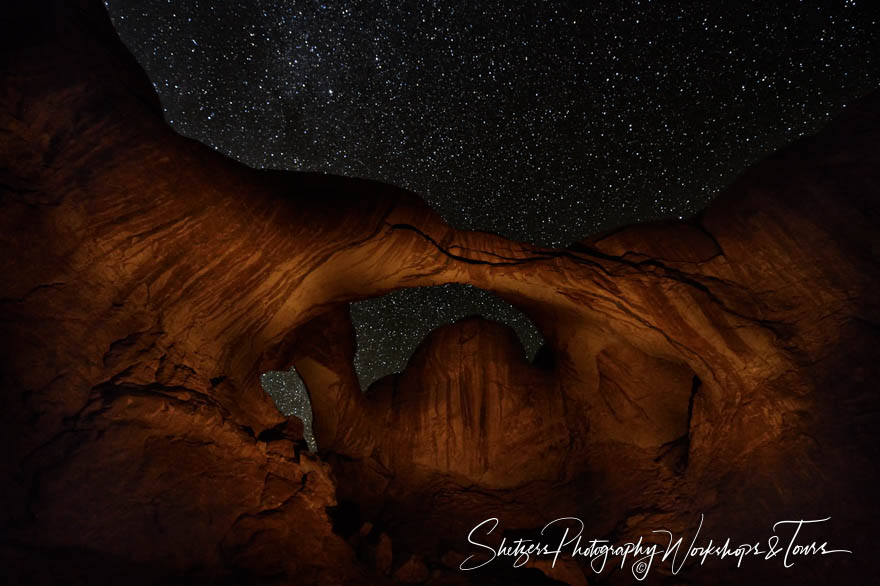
723 365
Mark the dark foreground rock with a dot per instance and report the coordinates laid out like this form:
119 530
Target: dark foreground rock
723 366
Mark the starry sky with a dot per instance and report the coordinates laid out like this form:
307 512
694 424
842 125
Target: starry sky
541 121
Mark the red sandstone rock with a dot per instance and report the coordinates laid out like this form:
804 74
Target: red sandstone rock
722 365
413 571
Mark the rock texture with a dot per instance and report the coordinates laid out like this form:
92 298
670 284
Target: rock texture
724 365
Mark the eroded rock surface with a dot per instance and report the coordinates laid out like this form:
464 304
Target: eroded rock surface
724 365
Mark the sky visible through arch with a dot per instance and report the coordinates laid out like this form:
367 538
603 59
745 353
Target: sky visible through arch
389 328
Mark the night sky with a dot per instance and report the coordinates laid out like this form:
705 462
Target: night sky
541 121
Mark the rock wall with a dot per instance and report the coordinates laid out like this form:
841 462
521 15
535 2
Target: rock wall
722 365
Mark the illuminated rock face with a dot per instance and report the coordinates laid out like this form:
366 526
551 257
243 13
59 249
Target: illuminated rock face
725 364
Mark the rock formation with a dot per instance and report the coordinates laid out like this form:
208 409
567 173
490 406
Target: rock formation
723 365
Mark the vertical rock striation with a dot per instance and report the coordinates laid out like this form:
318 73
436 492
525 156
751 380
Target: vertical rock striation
722 365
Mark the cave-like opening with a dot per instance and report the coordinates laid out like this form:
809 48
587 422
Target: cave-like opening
389 328
388 331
